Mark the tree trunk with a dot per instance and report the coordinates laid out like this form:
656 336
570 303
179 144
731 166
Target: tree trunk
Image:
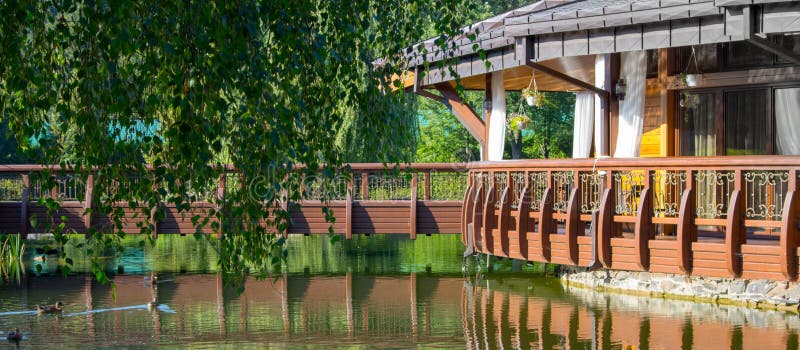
516 145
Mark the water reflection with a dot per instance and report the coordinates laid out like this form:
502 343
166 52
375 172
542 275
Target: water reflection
409 297
500 312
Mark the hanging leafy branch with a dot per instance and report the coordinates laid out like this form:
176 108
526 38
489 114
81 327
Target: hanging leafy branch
261 85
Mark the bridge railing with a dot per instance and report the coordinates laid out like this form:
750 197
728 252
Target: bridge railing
720 216
367 199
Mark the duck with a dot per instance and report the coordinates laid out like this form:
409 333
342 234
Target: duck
47 309
152 304
14 335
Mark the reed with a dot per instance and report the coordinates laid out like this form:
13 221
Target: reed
11 250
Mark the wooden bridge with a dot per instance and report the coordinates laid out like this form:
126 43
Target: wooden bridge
371 201
722 216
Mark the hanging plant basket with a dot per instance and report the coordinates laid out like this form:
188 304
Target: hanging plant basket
689 100
533 98
518 122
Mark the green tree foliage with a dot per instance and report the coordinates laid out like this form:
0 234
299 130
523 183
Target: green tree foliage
264 85
549 134
442 138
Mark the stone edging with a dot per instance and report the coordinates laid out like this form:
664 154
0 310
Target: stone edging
761 294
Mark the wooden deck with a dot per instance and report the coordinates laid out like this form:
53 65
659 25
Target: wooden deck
371 202
720 217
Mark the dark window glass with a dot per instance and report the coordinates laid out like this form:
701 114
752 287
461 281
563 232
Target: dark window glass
704 61
745 122
789 42
698 131
744 54
652 63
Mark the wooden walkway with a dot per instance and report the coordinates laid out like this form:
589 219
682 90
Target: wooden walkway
373 202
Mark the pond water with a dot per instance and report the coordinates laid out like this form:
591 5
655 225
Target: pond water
371 292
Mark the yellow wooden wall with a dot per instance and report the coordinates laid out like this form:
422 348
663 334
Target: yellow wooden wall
653 122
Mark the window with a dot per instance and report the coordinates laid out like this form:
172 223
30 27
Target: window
735 121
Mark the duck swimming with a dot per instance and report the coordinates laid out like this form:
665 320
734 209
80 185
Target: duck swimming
152 304
57 308
14 335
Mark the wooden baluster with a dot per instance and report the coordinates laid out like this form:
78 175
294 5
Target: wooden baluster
23 206
573 221
489 219
504 215
477 208
88 203
643 228
364 186
734 227
687 229
412 224
605 228
426 195
523 212
466 207
546 218
789 237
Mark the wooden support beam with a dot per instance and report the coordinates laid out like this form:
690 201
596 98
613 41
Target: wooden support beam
489 218
789 236
687 229
667 101
643 227
504 215
23 206
459 108
546 222
477 215
412 224
467 209
568 79
522 214
573 220
734 228
605 227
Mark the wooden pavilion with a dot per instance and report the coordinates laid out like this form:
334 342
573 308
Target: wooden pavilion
686 140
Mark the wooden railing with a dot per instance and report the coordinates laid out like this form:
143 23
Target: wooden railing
722 216
419 198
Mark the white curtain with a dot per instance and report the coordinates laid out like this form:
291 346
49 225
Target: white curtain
584 120
633 68
497 124
599 125
787 120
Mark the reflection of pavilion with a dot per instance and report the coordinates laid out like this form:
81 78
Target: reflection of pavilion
498 315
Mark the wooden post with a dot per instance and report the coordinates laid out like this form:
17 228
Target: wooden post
348 212
477 213
734 227
23 206
643 228
88 203
667 100
573 219
605 229
285 208
687 229
487 114
788 252
412 222
222 185
427 189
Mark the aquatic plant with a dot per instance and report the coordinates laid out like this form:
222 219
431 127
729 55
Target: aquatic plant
11 251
